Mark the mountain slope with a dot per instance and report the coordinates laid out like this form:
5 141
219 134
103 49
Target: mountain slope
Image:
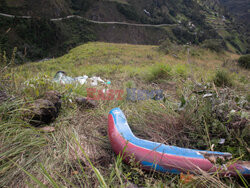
193 22
240 8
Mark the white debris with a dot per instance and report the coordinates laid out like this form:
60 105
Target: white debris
232 111
223 18
148 13
222 141
62 78
95 81
82 79
207 95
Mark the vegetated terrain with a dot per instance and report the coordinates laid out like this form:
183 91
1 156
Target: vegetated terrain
192 22
78 152
238 7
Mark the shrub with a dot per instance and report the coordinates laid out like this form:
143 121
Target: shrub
214 45
244 61
166 46
183 35
181 70
248 97
160 72
128 11
222 79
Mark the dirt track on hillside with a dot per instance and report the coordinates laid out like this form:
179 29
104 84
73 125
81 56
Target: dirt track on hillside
92 21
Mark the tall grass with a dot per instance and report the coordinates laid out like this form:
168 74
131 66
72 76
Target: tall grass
222 78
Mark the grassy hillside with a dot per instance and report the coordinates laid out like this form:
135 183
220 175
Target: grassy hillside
184 118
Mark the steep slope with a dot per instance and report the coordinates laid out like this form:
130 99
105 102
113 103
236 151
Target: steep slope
240 8
192 21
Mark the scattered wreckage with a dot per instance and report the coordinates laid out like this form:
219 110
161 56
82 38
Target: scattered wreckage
165 158
62 78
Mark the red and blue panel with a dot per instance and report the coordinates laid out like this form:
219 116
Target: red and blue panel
161 157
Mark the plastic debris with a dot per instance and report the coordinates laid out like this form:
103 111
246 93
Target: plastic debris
62 78
207 95
95 81
222 141
82 79
165 156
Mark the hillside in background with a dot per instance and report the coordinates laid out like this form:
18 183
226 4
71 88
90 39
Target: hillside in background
191 21
240 8
44 8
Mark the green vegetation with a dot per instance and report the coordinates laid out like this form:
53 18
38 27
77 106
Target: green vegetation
78 152
196 22
128 11
40 38
167 46
244 61
159 72
214 45
223 79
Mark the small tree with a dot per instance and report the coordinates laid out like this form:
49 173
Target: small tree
244 61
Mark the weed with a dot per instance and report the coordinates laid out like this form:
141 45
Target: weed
222 79
159 72
181 70
130 84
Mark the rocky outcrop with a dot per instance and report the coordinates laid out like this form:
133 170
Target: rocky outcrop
44 110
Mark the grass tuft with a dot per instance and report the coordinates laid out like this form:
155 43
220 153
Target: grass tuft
159 72
223 79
